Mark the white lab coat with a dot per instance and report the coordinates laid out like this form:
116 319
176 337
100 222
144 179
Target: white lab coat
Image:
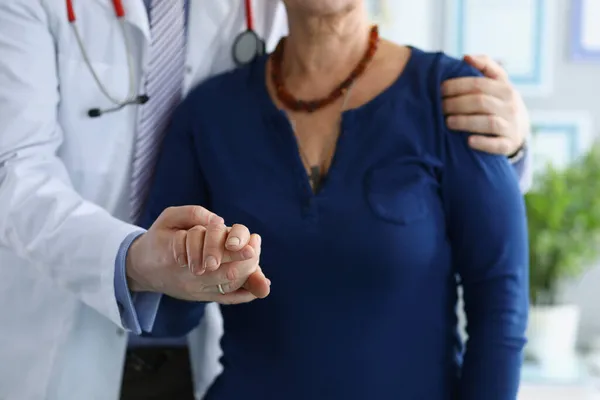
64 186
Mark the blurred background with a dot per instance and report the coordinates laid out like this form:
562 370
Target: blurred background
551 50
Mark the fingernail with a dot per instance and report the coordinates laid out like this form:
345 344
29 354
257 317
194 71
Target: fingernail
451 121
233 242
247 253
191 267
181 263
269 282
211 263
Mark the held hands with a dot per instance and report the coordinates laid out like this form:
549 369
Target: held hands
487 105
189 251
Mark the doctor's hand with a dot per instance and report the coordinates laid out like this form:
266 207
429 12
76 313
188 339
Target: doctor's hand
189 251
487 105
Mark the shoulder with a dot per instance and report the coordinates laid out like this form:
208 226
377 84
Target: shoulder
224 87
436 67
222 93
426 72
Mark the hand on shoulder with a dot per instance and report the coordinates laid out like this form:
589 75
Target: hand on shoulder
488 105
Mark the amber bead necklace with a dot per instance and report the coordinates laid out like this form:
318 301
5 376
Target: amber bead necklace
294 104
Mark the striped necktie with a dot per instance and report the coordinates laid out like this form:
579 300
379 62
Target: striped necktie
164 82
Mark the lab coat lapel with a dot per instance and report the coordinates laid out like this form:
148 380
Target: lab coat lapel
137 15
210 23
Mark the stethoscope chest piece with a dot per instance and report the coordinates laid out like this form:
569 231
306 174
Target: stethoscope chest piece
247 47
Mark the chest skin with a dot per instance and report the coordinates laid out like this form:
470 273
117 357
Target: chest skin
317 133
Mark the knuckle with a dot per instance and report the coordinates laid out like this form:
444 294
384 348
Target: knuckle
178 242
197 229
477 84
492 123
180 254
513 105
177 239
509 92
513 109
217 228
232 274
503 125
195 212
497 124
482 102
167 212
458 121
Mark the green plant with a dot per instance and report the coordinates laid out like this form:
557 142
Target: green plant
564 225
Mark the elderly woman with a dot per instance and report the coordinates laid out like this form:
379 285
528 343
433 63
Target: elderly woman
368 208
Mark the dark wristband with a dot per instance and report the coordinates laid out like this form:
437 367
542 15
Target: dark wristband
519 154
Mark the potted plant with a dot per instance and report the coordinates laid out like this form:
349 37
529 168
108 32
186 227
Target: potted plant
564 240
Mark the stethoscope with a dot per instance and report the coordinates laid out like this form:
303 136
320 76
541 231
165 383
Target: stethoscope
247 46
132 97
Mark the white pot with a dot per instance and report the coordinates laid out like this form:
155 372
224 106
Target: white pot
552 335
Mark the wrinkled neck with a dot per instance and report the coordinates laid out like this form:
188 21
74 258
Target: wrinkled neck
325 45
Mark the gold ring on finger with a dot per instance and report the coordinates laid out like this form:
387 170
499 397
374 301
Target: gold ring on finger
220 287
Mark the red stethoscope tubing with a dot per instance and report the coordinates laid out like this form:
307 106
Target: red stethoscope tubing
249 16
120 12
117 5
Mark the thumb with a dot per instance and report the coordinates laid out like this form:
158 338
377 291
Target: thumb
187 217
487 67
258 284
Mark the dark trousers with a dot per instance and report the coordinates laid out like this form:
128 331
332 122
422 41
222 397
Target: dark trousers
162 373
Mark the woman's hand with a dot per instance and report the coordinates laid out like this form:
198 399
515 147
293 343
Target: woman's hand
488 105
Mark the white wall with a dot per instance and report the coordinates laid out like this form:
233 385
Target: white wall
576 87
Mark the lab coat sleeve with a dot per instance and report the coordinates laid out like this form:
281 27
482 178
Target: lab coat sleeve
42 217
523 167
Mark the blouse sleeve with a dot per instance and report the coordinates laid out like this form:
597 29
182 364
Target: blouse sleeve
488 233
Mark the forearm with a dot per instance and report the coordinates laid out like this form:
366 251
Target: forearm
487 229
496 317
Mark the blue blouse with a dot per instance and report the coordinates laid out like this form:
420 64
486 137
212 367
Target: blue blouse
365 272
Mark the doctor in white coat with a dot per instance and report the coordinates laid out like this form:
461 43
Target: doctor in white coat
64 182
64 179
